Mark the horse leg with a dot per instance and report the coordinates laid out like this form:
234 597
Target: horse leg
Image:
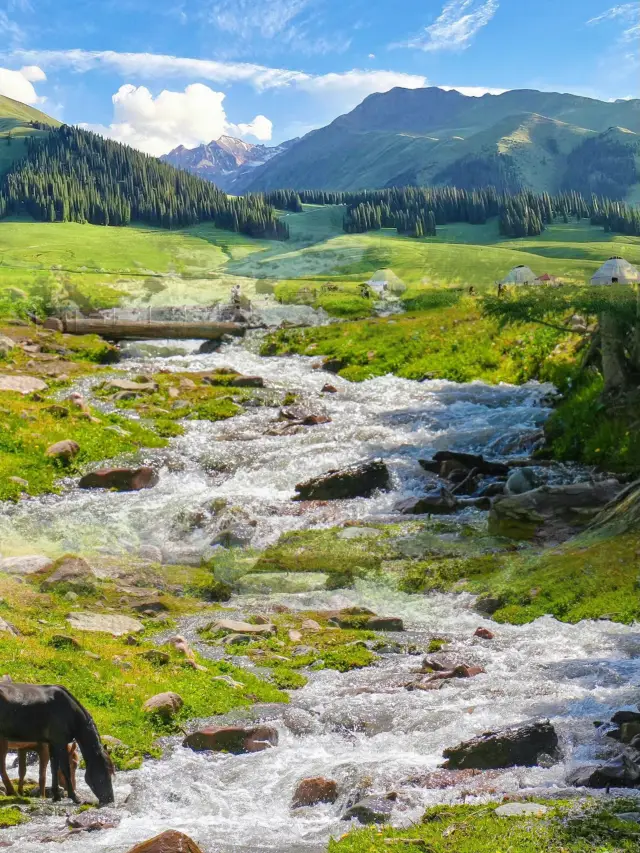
65 768
55 769
43 755
8 787
22 770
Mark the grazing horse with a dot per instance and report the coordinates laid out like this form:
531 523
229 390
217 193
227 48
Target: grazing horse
44 755
34 713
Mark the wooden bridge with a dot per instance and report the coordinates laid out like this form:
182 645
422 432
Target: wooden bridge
130 330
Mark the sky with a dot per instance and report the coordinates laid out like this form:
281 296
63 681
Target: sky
160 73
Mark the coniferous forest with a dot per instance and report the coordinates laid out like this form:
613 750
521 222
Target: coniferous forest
76 176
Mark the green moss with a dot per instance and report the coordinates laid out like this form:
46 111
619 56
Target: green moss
287 679
436 644
586 827
11 817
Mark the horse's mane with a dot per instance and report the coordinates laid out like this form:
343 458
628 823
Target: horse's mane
86 715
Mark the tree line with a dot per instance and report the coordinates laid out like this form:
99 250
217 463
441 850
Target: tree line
73 175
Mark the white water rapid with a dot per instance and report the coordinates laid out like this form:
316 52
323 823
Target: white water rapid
362 728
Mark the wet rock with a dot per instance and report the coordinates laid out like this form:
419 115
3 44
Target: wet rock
120 479
73 572
521 516
329 389
168 842
488 605
21 384
234 739
165 705
64 451
104 623
300 722
370 810
468 461
484 634
491 490
359 480
521 481
511 747
621 717
438 502
521 810
233 626
620 772
333 365
384 623
94 820
311 792
207 347
29 565
628 731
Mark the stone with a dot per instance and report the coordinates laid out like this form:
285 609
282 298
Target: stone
438 502
73 572
370 810
233 379
94 820
103 623
28 565
21 384
311 792
120 479
54 324
63 641
147 605
8 628
521 810
234 739
329 389
359 533
295 636
488 605
359 480
521 481
470 461
522 516
628 731
384 623
484 633
311 625
231 626
156 657
6 345
620 772
165 705
511 747
168 842
129 385
625 717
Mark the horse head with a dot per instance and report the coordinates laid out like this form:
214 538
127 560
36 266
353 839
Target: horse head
100 769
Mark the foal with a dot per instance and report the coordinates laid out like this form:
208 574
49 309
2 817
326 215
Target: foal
42 749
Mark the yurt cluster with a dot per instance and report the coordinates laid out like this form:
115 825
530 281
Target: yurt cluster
614 271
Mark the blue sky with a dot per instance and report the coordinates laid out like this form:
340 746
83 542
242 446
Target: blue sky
158 73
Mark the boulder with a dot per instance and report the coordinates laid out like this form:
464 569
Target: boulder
129 385
470 461
370 810
484 634
511 747
64 451
234 739
30 565
94 820
333 365
105 623
73 572
629 730
329 389
165 705
6 345
621 717
521 481
63 641
521 516
620 772
8 628
311 792
21 384
359 480
53 324
384 623
237 380
231 626
120 479
168 842
438 502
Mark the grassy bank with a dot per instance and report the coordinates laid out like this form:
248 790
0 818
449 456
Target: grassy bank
580 827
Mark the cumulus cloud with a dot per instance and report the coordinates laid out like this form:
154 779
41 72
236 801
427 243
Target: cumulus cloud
19 84
158 124
454 29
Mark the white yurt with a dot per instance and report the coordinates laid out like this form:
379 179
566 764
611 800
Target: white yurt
386 280
521 275
616 271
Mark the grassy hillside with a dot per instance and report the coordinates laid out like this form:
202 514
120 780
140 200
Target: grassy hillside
15 126
199 265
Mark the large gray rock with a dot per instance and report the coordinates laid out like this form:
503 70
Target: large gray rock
370 810
73 572
511 747
359 480
522 516
6 345
521 481
29 565
105 623
21 384
620 772
439 502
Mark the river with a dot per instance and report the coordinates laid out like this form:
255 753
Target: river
362 728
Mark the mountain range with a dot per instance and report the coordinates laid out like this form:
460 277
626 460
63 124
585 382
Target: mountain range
225 161
545 141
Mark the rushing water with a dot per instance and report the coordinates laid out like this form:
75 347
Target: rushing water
363 728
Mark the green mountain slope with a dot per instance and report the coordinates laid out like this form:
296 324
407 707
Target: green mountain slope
17 122
521 139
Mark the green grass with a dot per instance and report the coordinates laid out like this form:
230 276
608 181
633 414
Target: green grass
580 827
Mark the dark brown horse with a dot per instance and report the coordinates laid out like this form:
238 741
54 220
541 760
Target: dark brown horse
33 713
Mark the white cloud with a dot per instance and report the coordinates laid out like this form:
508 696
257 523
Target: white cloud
456 26
10 31
243 18
346 90
19 84
474 91
156 125
624 49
